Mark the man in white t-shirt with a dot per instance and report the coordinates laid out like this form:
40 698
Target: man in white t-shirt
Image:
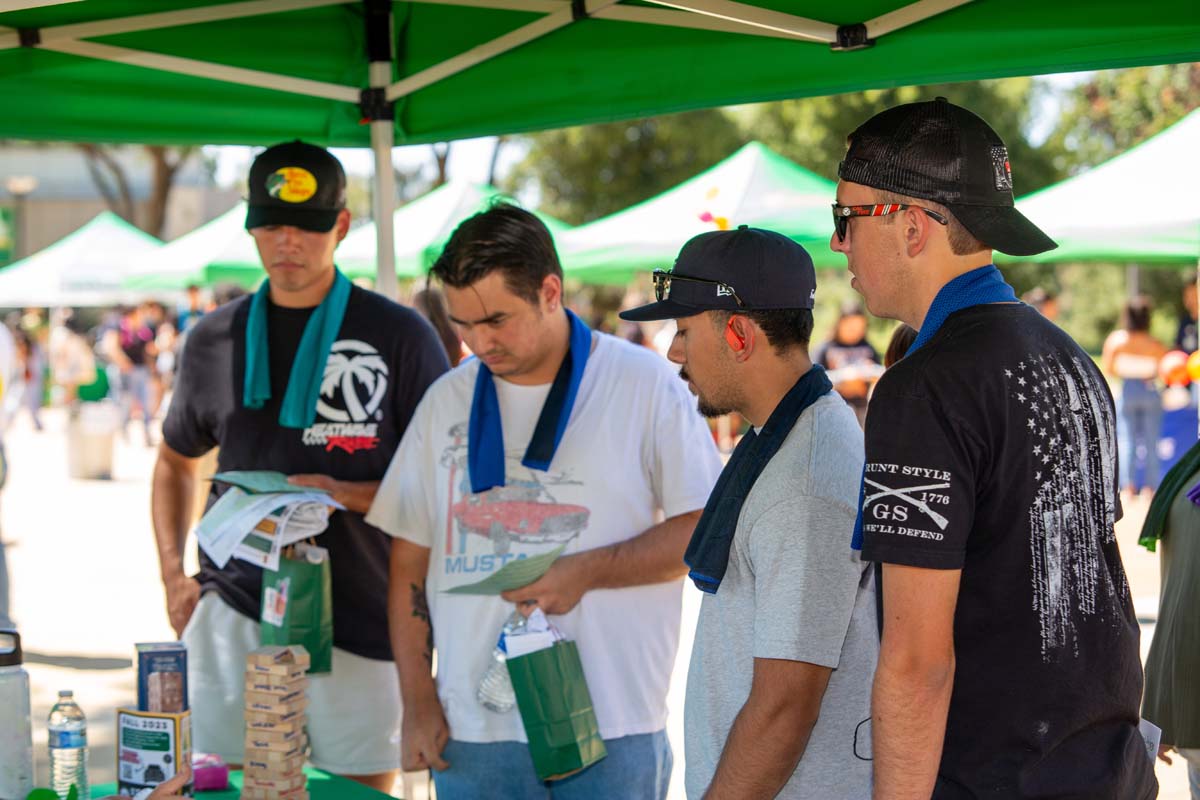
779 686
554 436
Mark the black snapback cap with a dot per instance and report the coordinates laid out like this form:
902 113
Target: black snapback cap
747 269
942 152
296 184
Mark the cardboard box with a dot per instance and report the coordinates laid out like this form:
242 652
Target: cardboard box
162 677
150 747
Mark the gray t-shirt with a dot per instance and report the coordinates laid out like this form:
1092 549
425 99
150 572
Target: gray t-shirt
794 590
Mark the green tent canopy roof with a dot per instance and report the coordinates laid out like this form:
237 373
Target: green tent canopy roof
754 186
84 268
262 71
423 227
218 251
1140 206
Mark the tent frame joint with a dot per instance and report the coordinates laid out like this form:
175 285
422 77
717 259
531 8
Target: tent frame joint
374 105
29 37
579 10
852 37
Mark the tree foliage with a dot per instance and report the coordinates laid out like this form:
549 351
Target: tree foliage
588 172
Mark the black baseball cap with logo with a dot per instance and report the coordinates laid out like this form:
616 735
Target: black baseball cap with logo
748 269
942 152
296 184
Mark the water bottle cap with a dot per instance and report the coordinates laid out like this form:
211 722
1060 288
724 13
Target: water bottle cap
10 648
66 693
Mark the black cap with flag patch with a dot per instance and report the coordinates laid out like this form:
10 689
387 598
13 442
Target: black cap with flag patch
748 269
296 184
942 152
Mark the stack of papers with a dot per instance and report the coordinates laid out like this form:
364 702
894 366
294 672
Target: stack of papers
259 515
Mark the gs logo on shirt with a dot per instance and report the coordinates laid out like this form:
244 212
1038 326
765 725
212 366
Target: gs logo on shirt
349 406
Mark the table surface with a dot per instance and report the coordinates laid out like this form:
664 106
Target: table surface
321 786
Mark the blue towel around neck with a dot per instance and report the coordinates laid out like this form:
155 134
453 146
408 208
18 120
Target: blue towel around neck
975 288
707 554
485 432
299 406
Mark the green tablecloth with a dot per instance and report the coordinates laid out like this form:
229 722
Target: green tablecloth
321 786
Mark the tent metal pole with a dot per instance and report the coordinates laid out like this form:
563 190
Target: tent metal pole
1132 289
204 69
498 46
756 16
377 18
22 5
908 15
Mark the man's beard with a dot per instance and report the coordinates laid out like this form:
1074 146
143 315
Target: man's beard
703 405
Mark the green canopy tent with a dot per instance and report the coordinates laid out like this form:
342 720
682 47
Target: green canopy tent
84 268
348 72
754 186
427 223
219 251
1139 207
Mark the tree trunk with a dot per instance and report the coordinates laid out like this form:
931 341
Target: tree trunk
441 154
110 180
165 167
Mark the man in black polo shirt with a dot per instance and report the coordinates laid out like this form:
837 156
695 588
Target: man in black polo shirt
248 384
1009 661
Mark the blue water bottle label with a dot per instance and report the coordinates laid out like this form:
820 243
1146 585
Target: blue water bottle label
68 739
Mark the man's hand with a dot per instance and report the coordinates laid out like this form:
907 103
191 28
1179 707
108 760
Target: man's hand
183 593
354 495
1164 751
556 592
423 735
173 789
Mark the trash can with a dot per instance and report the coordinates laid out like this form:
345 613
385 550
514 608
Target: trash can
91 429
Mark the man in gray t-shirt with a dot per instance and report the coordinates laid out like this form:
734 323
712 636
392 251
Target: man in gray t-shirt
778 693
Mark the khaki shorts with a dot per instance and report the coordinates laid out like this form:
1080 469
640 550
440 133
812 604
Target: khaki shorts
353 712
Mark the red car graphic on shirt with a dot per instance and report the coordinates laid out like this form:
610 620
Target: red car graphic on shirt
518 513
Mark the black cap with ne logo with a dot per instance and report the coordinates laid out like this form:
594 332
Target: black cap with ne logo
938 151
296 184
747 269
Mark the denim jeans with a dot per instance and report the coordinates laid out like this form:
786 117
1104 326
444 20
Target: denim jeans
1192 757
636 768
1140 426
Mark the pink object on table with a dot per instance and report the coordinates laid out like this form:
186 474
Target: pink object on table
210 773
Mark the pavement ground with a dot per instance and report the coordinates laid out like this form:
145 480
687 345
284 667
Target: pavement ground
85 588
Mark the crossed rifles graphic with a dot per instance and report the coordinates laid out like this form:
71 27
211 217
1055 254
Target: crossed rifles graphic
906 494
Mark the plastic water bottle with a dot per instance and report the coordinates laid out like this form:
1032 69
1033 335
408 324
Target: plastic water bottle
495 692
16 729
68 747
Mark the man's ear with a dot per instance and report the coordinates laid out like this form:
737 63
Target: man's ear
918 229
742 336
342 226
551 293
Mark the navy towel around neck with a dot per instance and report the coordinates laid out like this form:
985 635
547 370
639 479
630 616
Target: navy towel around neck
485 433
707 554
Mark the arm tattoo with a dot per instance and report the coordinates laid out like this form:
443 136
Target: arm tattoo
420 606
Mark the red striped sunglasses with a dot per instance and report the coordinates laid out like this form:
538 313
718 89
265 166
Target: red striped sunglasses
842 214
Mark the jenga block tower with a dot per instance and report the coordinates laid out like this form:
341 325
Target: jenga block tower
276 744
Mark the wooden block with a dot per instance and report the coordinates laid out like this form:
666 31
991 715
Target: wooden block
273 740
280 785
269 769
271 794
275 684
280 704
265 757
262 721
278 655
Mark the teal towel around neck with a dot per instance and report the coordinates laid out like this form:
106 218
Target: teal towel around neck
299 408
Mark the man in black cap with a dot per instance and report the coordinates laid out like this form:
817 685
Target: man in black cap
310 375
1009 662
786 642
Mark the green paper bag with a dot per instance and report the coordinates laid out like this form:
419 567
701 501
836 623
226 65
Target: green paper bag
556 709
297 608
